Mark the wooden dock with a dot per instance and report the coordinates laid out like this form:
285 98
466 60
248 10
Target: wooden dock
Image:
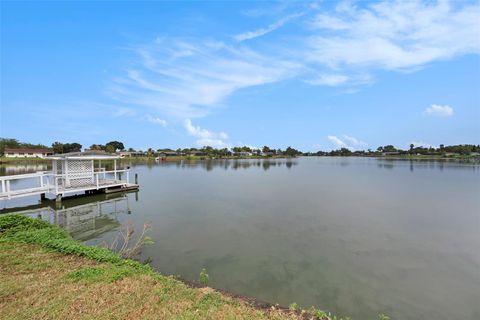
72 173
17 186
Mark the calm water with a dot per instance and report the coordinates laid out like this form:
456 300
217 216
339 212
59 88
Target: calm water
354 236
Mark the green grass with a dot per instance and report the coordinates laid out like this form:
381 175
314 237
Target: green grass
45 274
22 159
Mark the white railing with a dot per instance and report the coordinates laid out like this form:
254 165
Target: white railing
5 182
48 182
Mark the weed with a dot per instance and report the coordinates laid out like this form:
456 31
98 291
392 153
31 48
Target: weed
124 244
204 277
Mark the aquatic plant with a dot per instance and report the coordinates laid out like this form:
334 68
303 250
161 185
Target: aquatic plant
124 244
203 278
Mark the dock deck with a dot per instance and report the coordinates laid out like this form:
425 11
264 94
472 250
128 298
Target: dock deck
16 186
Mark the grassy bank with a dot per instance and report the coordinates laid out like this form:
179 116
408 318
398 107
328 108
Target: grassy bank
23 160
45 274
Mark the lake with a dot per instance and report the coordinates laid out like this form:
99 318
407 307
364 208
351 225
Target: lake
354 236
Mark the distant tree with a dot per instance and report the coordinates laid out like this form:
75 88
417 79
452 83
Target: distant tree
57 147
72 147
292 152
117 145
14 143
97 147
266 149
8 143
389 148
131 150
109 148
411 146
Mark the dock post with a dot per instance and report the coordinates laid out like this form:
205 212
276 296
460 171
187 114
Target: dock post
136 178
42 196
58 198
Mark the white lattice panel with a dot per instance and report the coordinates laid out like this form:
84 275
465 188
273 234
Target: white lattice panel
79 173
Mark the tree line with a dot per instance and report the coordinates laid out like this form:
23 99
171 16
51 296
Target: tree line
442 150
115 146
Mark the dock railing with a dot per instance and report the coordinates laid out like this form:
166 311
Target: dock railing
48 182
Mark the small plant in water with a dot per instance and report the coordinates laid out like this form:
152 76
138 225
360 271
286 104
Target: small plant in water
125 245
293 306
204 277
382 316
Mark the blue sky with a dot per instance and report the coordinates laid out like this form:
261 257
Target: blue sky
312 75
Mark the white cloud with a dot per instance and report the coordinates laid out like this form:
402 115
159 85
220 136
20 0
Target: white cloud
395 35
420 144
439 110
346 142
123 112
187 79
206 137
337 142
329 80
272 27
156 120
354 141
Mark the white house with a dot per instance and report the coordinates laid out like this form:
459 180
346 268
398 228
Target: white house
30 153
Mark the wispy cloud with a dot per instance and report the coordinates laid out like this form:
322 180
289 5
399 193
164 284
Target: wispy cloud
123 112
156 120
354 141
420 144
329 80
263 31
439 110
189 78
348 142
394 35
206 137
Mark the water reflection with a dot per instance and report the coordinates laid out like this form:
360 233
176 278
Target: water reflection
355 236
228 164
84 218
23 167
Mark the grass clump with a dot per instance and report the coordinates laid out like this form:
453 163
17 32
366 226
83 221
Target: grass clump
203 278
24 229
101 274
48 275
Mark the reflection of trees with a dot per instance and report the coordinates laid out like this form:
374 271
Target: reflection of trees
230 164
88 221
83 218
22 168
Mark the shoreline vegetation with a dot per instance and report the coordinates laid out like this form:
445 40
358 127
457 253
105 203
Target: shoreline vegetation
475 159
461 152
48 275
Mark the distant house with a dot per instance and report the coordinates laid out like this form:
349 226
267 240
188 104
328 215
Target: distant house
165 154
244 154
390 153
198 153
128 154
29 153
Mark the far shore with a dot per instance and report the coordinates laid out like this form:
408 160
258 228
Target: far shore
459 158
